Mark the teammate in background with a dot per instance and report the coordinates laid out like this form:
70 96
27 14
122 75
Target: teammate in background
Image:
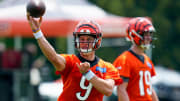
135 67
85 76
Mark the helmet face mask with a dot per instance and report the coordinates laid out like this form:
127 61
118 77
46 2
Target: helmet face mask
137 29
87 28
85 43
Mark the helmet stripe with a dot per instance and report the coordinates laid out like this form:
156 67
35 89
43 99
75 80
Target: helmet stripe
137 34
88 26
138 30
136 23
146 26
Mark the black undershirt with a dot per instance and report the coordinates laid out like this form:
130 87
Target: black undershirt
92 63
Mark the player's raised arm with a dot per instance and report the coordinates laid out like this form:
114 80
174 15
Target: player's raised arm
57 60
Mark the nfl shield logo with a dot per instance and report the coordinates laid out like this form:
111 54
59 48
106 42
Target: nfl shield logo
149 65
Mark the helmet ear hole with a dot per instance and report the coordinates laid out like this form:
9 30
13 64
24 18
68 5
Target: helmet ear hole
97 44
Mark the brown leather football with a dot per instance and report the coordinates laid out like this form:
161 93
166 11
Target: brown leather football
36 8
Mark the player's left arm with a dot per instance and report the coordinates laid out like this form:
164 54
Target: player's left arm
154 96
105 86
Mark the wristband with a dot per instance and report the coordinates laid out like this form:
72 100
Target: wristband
35 30
38 34
89 75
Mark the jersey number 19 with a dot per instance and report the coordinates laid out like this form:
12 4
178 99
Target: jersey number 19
145 75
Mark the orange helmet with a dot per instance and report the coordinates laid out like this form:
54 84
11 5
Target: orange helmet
91 28
136 29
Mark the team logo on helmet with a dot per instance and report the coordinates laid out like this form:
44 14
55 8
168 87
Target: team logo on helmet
85 30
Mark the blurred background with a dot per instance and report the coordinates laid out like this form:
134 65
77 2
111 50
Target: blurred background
26 75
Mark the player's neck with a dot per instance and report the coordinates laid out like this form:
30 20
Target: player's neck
88 56
137 50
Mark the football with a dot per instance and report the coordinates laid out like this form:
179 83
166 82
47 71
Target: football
36 8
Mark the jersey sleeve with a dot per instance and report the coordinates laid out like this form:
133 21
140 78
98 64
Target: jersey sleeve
153 72
112 73
67 69
121 64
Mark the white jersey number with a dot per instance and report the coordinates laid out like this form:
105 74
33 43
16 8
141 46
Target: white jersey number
88 88
147 76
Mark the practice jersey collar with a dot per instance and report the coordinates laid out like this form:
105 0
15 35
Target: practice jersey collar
92 63
140 57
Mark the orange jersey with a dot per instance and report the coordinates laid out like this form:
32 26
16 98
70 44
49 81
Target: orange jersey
139 85
76 87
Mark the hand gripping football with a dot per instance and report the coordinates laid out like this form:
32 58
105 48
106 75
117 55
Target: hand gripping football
36 8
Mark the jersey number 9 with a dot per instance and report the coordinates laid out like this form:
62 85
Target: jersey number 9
87 88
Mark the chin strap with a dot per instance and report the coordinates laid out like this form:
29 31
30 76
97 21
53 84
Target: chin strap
145 47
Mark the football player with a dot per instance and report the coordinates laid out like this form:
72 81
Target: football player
135 67
86 77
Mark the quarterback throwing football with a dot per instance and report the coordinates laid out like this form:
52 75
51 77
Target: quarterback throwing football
85 76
